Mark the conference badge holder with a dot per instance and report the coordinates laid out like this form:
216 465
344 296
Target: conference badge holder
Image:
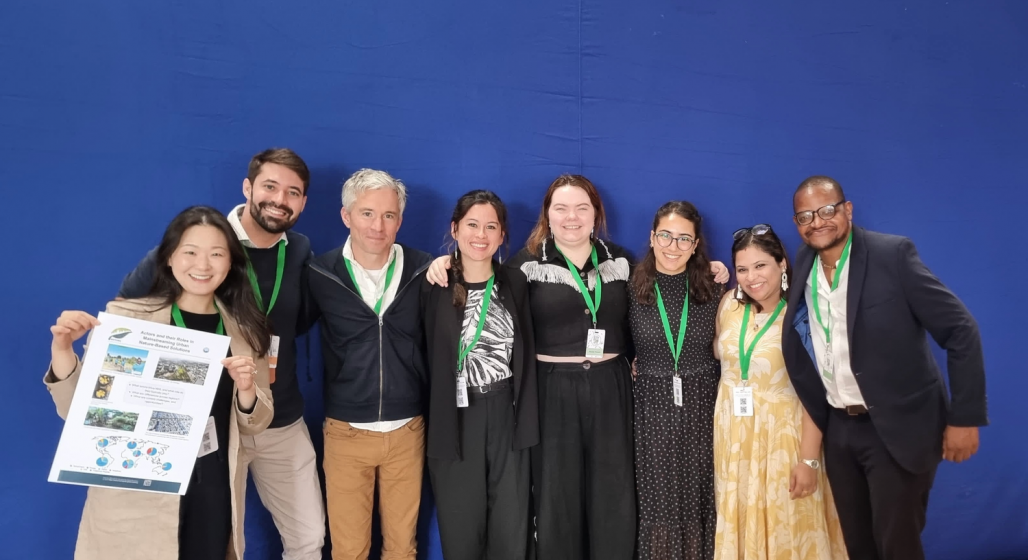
273 358
209 443
462 392
742 401
594 343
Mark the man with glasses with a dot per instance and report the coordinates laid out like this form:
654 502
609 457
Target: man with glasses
859 359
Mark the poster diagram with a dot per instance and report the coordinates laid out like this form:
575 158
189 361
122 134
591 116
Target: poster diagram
140 406
130 453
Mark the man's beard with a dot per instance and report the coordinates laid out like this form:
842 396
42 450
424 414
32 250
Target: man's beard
272 225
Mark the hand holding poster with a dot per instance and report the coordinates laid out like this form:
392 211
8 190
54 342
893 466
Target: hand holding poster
141 406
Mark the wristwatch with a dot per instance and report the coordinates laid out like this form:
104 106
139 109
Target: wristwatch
812 463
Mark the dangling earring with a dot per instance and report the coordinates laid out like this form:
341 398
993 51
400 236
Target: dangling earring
785 281
592 232
738 292
455 256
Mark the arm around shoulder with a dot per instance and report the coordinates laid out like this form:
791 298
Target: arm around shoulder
725 298
138 282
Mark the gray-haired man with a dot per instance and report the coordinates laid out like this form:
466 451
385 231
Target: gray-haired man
375 372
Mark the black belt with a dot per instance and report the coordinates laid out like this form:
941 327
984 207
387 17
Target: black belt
853 410
495 387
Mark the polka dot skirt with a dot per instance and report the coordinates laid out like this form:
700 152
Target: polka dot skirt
674 445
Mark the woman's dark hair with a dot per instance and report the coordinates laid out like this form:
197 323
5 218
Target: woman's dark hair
235 292
542 227
701 281
768 243
464 205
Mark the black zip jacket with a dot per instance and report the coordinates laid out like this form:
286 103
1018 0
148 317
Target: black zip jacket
443 324
374 367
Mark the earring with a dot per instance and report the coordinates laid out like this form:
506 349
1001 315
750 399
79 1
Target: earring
455 257
785 281
738 292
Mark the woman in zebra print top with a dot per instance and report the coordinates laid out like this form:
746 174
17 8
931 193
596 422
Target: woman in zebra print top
483 409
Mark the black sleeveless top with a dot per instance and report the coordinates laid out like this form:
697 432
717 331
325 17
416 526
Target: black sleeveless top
653 353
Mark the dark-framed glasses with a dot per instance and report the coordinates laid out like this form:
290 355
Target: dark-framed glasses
759 229
825 213
684 242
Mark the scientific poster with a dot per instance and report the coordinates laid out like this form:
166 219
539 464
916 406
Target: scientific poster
141 406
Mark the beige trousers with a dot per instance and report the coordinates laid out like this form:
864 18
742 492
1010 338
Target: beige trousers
354 460
284 470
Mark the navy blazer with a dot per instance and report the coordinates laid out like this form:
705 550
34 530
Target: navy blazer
892 300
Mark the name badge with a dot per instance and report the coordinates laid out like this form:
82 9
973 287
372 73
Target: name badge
676 386
273 357
594 343
828 363
742 401
462 392
209 443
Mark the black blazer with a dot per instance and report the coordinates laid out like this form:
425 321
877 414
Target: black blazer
892 300
443 324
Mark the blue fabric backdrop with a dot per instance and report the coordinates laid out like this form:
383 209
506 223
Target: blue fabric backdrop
115 115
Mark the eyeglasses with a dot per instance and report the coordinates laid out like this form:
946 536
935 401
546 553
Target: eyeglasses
684 242
759 229
824 212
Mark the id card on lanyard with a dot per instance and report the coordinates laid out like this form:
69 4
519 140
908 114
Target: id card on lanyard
676 346
464 349
594 341
742 397
280 266
828 360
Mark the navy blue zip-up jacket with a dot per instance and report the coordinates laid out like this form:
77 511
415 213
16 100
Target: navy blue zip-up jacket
375 368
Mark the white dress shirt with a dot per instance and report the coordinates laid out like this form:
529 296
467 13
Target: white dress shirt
372 286
841 386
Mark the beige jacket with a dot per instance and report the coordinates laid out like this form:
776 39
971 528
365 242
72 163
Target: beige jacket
129 524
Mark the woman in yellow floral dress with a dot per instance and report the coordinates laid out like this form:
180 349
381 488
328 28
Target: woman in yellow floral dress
773 499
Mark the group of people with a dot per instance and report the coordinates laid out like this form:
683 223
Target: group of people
572 403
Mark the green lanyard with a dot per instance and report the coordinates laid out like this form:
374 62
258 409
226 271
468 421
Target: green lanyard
744 354
593 307
176 316
462 349
814 273
676 348
389 278
279 268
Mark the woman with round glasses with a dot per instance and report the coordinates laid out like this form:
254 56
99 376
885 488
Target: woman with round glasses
673 302
773 500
